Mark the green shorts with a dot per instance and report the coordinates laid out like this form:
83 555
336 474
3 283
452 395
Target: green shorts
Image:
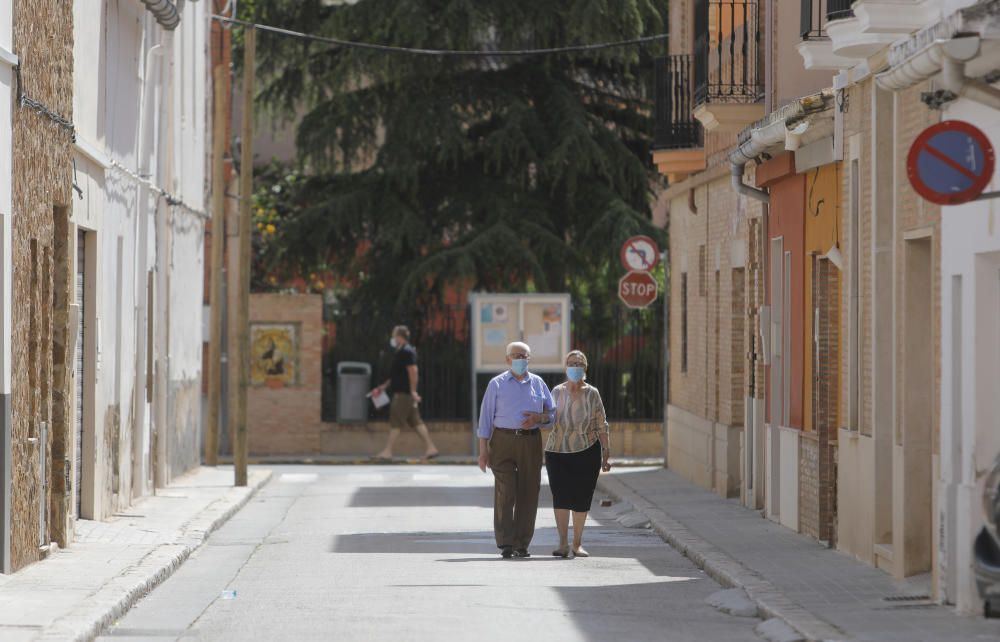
403 411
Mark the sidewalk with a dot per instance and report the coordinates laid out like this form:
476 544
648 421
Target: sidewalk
413 460
823 594
76 592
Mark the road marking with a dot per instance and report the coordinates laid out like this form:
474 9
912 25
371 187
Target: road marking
430 476
367 477
298 478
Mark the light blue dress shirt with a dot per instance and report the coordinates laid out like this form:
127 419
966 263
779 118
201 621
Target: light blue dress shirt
507 399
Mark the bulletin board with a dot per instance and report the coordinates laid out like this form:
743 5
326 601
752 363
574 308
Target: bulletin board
540 320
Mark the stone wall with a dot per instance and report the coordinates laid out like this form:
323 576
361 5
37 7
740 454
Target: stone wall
42 183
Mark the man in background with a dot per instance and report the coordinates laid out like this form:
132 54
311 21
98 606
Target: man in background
402 386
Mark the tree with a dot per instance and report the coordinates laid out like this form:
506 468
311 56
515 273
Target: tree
493 173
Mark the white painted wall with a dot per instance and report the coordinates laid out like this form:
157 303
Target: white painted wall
139 108
970 353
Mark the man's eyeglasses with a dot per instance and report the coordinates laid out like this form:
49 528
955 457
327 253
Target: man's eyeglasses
520 355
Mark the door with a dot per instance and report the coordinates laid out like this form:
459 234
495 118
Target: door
776 384
78 296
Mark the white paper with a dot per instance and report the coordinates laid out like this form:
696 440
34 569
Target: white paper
381 400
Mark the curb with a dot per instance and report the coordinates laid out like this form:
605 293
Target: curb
444 460
109 603
724 569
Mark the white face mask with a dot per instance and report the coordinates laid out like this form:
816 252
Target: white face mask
393 343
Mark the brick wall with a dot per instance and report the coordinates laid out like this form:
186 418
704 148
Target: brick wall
817 472
286 419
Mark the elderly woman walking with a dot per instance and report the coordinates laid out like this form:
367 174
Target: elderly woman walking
576 451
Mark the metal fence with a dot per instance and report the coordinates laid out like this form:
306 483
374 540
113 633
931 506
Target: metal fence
624 348
728 56
674 126
816 13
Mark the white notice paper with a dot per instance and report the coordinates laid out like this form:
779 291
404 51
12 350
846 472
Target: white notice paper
381 400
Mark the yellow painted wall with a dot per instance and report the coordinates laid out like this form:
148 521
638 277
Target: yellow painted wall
821 232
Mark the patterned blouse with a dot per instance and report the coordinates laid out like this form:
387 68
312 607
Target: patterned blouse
578 421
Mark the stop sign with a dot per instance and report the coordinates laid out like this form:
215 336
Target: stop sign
637 289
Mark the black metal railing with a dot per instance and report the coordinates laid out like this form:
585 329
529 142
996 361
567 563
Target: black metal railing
839 9
674 126
812 24
624 348
728 65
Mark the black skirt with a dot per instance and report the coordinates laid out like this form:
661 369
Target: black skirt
573 477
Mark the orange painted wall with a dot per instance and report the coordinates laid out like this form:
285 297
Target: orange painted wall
787 220
822 215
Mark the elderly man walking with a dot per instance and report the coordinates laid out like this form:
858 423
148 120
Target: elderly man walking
516 404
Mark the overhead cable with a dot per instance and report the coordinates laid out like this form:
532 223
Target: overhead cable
459 53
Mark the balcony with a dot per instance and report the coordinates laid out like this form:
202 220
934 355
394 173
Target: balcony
815 48
677 137
862 28
728 64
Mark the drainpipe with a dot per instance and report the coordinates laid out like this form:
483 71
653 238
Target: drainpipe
736 169
165 12
953 79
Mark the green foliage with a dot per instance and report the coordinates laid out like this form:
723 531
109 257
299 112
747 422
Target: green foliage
499 174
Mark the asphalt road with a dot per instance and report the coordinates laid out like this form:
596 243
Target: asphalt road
407 553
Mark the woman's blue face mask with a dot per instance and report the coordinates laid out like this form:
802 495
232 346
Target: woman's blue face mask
575 373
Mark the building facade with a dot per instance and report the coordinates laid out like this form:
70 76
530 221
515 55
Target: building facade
102 194
854 321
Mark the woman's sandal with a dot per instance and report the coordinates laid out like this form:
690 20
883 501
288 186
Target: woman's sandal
561 552
580 552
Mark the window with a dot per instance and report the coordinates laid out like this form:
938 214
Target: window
684 322
702 271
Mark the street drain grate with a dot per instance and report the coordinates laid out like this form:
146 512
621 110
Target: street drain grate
908 602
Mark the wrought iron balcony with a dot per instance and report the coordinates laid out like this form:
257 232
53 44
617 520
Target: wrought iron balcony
728 54
674 126
839 9
816 47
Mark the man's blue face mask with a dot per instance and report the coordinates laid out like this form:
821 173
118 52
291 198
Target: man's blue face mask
519 366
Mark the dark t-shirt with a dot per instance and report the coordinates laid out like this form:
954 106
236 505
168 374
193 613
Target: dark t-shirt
399 377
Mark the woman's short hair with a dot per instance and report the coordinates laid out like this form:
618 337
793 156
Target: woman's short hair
577 353
401 331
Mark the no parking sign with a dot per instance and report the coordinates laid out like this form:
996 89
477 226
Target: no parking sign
950 163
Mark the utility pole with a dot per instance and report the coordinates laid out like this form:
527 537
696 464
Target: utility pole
241 349
215 292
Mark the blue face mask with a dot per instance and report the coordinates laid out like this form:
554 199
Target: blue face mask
574 374
519 366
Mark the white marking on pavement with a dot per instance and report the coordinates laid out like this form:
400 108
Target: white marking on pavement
366 477
430 477
298 478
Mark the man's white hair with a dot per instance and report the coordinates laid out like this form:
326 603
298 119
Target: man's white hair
518 344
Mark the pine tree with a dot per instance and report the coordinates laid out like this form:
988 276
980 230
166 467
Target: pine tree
491 173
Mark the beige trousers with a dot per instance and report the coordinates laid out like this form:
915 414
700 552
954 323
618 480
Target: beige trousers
516 461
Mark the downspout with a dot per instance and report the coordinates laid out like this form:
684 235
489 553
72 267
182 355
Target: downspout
953 79
736 171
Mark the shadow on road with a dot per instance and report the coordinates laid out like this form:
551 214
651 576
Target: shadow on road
422 496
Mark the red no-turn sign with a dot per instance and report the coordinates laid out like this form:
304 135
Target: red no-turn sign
637 289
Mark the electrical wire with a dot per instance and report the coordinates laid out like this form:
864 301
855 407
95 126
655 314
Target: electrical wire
444 52
172 200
